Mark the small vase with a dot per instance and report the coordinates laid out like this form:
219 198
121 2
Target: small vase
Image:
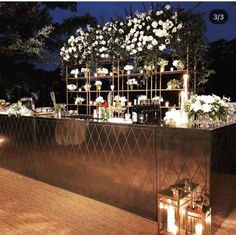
59 114
105 115
131 87
99 112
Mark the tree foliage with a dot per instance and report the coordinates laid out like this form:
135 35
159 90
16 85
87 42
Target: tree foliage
28 35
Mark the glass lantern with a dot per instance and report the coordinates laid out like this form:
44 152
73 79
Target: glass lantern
173 202
198 218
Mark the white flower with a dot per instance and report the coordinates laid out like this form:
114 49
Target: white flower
132 81
154 42
98 83
142 97
174 30
158 13
154 24
120 99
149 46
99 100
158 98
79 100
128 67
148 27
167 7
206 108
102 70
179 26
162 47
196 106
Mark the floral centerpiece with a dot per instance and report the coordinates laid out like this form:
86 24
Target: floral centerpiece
102 71
75 72
87 87
85 71
162 63
157 99
105 111
98 85
128 68
173 84
131 82
208 110
18 110
79 100
58 108
142 98
99 101
119 103
178 64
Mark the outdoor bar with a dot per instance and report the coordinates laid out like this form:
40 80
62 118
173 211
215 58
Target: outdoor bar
133 132
128 166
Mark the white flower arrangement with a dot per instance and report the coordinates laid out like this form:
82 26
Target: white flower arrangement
16 110
175 117
157 98
99 100
162 62
120 99
79 100
128 67
87 87
137 35
132 81
211 106
98 83
178 64
102 71
142 98
75 72
71 87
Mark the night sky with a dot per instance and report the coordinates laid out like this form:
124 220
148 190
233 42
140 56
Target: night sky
110 9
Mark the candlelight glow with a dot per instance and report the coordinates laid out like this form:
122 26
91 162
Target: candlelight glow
198 229
171 227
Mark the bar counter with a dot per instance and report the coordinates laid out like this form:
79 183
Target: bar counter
123 165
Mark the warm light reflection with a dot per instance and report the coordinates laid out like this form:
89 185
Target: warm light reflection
171 227
198 229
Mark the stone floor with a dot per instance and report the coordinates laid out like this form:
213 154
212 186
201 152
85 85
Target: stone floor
30 207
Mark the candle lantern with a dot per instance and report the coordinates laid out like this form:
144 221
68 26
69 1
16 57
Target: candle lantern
173 202
198 217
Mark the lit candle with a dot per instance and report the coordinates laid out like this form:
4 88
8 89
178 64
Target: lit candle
171 69
128 72
112 87
80 89
167 103
111 73
129 104
95 75
185 78
182 99
198 229
91 102
171 227
141 71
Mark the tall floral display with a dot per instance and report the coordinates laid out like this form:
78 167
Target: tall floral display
144 36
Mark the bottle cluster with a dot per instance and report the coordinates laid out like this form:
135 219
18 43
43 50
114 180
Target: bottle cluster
146 112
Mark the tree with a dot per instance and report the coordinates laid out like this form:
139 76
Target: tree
33 38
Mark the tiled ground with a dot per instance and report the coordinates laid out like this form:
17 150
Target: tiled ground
30 207
229 226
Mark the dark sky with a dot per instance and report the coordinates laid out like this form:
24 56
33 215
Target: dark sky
110 9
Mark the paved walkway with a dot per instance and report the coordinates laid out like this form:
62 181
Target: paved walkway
30 207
